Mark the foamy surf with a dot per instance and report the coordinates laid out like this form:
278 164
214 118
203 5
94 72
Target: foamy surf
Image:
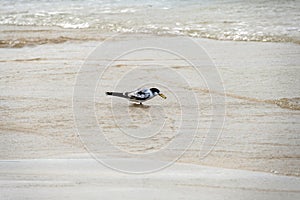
289 103
219 20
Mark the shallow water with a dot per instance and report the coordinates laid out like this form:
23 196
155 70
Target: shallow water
261 130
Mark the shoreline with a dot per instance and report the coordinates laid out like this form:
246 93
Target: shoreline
58 35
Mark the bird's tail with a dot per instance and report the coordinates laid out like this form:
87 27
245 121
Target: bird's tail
116 94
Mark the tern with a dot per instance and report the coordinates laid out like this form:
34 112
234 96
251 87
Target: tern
138 96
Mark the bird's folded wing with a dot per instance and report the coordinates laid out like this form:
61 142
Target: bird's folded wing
139 94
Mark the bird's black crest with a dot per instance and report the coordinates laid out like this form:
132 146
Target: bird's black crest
155 90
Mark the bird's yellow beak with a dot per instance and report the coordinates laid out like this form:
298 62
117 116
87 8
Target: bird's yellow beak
162 95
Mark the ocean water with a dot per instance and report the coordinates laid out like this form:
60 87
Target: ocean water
238 20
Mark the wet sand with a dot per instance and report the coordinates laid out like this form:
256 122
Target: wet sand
87 179
260 134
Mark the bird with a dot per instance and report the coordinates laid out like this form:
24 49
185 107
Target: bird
138 96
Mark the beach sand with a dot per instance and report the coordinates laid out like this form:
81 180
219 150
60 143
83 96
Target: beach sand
257 156
87 179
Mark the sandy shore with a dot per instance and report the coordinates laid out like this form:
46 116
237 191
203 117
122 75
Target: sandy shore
39 136
87 179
